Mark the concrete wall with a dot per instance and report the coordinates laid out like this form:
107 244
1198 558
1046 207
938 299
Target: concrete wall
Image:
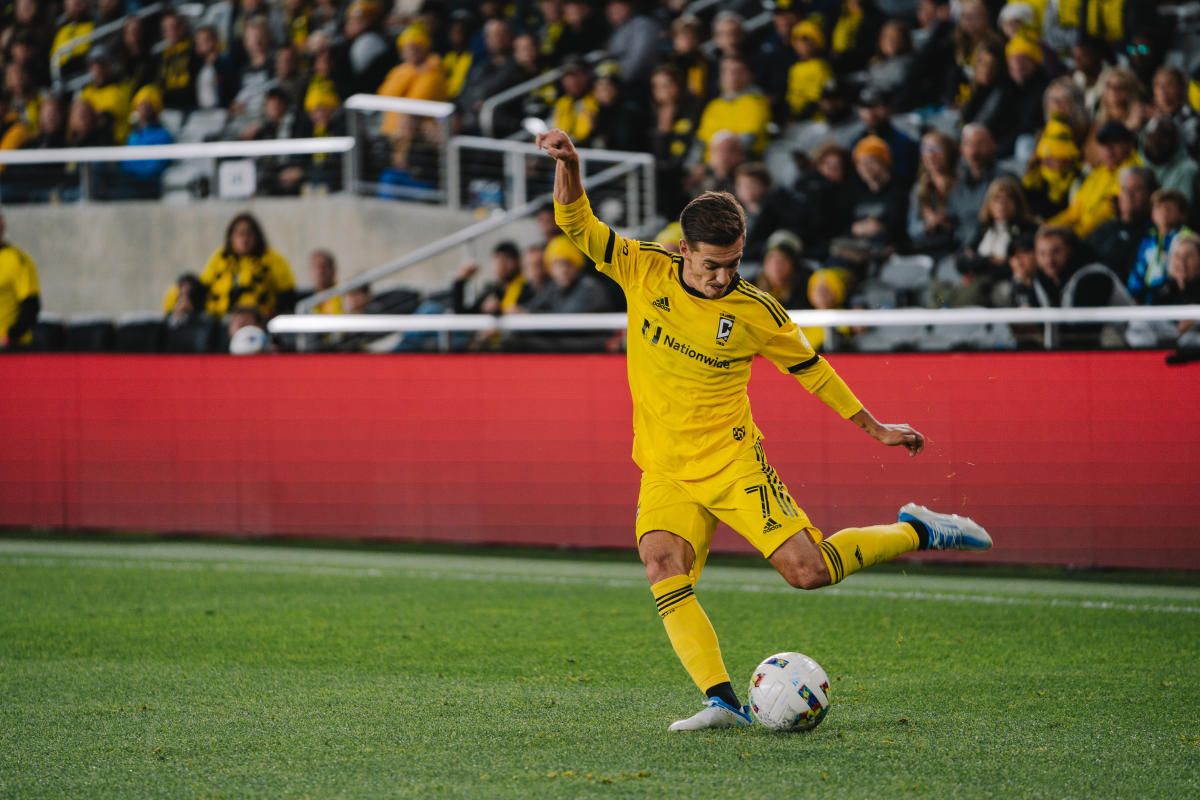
117 257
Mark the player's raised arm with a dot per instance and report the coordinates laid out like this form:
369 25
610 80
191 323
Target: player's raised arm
614 255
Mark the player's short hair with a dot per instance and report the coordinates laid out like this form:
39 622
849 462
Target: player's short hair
714 218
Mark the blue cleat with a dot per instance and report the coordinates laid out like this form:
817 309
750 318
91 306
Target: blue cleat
946 531
715 714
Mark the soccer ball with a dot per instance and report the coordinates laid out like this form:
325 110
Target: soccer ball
789 692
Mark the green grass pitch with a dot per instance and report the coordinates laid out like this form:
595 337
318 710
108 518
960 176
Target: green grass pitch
167 669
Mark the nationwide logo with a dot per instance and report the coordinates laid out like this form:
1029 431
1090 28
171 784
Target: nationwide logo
724 328
662 303
771 525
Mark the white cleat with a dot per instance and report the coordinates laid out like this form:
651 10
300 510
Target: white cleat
947 531
715 714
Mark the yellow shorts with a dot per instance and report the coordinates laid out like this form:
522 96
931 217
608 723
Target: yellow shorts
748 496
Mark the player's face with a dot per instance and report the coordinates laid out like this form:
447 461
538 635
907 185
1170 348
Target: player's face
710 269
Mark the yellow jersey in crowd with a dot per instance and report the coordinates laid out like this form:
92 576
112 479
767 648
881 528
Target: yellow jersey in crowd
689 356
18 282
256 282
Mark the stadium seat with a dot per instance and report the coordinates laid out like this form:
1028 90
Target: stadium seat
139 332
50 334
200 336
394 301
90 333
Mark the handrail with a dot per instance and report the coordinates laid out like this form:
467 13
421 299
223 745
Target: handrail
915 317
467 234
531 149
401 105
172 152
487 111
93 35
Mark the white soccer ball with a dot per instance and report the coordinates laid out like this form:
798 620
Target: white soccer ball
789 692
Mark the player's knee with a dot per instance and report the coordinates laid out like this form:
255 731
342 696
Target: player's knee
660 566
805 576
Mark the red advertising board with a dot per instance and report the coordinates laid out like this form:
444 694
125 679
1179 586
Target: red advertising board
1088 459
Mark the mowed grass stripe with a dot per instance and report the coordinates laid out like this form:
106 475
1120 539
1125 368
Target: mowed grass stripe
276 560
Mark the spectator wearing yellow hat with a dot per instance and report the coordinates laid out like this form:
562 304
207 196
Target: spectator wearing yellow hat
574 290
143 179
1053 170
419 76
828 289
323 108
810 72
1024 58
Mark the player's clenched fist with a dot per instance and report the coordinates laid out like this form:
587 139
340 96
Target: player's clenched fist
558 145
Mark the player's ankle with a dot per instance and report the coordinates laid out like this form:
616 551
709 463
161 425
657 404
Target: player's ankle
726 693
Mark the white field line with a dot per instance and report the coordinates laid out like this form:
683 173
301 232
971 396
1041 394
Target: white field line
248 559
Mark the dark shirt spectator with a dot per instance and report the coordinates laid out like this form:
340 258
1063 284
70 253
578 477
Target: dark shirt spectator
976 171
1029 82
619 122
785 274
889 69
824 189
216 78
875 114
990 98
633 42
177 65
1115 243
133 52
503 293
880 208
490 76
725 152
776 57
768 208
364 56
1171 100
699 70
934 77
1163 152
676 115
930 225
583 29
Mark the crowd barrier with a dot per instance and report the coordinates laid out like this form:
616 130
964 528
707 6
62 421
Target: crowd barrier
1083 459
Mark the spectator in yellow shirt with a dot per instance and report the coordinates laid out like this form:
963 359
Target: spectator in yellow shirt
108 97
456 61
575 111
78 23
322 268
810 72
247 273
20 298
419 76
741 108
1096 200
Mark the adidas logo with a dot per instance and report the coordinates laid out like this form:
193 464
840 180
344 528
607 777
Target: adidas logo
771 525
662 303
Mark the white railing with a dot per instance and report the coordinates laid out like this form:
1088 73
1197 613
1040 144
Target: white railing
439 113
487 111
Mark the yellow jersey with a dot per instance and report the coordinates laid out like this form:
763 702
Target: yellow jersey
246 282
18 282
689 356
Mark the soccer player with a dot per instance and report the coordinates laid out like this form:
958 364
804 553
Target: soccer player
694 328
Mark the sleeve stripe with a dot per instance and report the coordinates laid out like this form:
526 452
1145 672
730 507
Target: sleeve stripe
608 248
774 315
770 298
803 365
654 247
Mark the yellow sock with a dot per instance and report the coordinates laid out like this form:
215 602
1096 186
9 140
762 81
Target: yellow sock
852 549
690 632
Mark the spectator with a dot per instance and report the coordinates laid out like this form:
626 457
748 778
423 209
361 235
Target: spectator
573 291
24 97
934 75
1163 152
183 304
1003 218
875 114
1121 102
84 128
245 273
490 76
533 270
785 275
281 174
298 19
322 270
823 187
633 41
976 171
855 35
891 66
1183 270
1091 69
990 100
458 56
419 75
325 119
725 153
216 79
740 108
973 31
576 108
77 23
41 182
20 295
256 76
31 33
880 202
400 180
1117 241
1029 82
619 123
768 208
699 71
143 179
1094 203
287 73
177 64
930 226
729 34
500 295
828 289
776 57
1065 102
138 67
583 28
111 99
1170 100
1018 291
549 34
1053 171
355 300
809 73
1168 211
364 56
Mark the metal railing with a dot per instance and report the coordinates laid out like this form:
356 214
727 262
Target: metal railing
487 111
439 113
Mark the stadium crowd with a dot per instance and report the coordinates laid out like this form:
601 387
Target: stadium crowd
969 153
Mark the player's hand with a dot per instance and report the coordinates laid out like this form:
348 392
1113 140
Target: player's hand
900 435
558 145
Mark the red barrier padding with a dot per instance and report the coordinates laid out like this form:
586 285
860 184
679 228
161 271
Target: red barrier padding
1084 459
